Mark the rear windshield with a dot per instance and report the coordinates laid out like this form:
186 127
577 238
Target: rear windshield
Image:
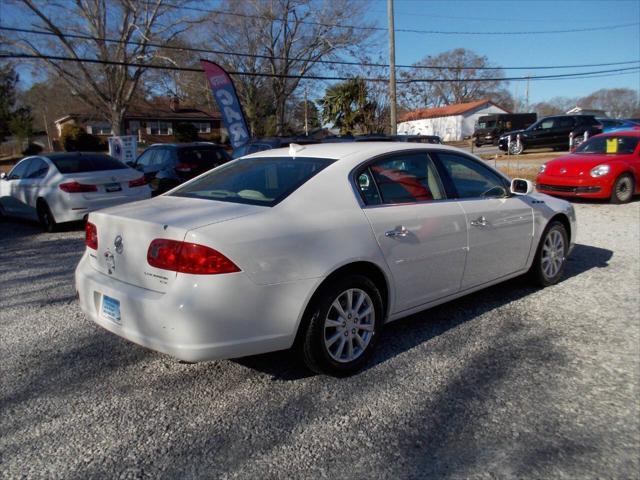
200 155
256 181
86 163
611 145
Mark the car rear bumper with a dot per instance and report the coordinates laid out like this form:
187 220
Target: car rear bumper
574 187
73 207
201 317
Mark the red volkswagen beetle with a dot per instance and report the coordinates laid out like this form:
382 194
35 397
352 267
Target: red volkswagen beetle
605 166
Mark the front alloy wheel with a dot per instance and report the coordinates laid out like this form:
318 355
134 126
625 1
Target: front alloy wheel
622 189
515 148
342 326
551 257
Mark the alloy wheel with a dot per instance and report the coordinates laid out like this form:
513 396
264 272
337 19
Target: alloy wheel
553 254
624 189
349 325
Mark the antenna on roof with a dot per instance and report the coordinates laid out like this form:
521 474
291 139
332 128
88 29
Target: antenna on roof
293 148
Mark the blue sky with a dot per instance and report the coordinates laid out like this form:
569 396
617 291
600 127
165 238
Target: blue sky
524 50
603 46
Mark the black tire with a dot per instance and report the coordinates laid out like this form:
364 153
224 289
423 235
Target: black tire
514 148
164 185
315 352
537 272
47 220
478 144
623 189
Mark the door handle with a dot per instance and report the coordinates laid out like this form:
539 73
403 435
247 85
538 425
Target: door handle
479 222
397 232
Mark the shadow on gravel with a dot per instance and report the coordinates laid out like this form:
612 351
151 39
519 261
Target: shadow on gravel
404 334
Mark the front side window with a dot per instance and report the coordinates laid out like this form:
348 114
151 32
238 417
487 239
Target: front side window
19 171
37 169
202 156
470 179
257 181
404 178
546 124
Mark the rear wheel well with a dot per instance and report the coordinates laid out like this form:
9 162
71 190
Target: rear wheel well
366 269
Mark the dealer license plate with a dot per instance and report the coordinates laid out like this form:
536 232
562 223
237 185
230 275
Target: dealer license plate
111 309
112 187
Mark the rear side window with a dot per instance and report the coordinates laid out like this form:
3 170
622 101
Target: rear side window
567 122
86 163
37 169
402 178
256 181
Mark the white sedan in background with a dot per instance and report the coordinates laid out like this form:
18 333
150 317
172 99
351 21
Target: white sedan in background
316 247
65 187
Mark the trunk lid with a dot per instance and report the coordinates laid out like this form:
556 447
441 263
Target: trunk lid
125 233
109 183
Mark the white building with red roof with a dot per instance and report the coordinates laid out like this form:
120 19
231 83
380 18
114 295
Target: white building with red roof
451 123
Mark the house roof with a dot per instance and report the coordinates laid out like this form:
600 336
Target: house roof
156 109
447 111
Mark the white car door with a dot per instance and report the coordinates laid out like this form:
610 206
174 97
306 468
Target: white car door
421 234
500 225
32 184
11 190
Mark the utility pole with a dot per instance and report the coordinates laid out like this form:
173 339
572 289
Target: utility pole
526 95
306 122
392 69
46 129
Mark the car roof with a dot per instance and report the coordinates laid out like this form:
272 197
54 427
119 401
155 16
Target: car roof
635 132
343 150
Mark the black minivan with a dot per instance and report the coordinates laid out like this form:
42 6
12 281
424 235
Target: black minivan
167 165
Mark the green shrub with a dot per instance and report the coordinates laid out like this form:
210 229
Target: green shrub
185 132
75 139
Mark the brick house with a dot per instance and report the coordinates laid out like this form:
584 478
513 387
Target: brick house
152 122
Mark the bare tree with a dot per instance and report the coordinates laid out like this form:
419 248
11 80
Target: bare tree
617 102
107 88
294 35
473 82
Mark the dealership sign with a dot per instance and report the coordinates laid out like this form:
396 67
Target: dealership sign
124 148
225 94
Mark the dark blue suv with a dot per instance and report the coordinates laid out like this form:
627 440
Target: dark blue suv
167 165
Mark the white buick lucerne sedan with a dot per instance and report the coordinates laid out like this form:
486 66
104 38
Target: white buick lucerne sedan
314 247
65 187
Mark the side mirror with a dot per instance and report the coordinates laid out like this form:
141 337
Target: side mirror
3 175
520 186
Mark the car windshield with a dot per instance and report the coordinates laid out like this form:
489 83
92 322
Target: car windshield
200 155
256 181
487 124
618 145
79 163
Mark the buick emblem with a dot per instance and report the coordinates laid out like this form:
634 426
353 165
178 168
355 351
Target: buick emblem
563 170
118 244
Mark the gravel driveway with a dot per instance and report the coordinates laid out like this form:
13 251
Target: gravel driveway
511 382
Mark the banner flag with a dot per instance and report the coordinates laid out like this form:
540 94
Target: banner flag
225 94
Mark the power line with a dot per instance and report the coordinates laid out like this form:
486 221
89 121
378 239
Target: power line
312 77
404 30
331 62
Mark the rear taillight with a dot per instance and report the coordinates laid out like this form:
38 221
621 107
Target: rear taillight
75 187
91 236
187 257
138 182
185 167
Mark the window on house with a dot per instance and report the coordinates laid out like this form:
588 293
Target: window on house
159 128
134 127
99 129
202 127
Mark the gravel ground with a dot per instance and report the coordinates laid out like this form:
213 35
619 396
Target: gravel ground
511 382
